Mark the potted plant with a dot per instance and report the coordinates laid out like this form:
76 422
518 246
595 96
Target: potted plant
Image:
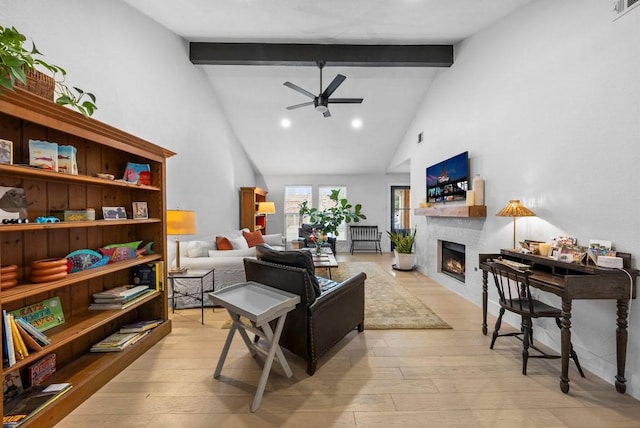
331 218
403 249
17 62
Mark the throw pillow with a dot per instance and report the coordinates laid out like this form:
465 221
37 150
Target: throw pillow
253 238
199 248
238 242
299 259
223 243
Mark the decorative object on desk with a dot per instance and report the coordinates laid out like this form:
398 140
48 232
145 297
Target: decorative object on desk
478 190
331 218
597 248
515 209
6 152
114 213
140 210
18 69
180 222
577 252
13 203
403 249
137 173
388 305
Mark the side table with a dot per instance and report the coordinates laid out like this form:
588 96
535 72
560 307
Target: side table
202 275
260 304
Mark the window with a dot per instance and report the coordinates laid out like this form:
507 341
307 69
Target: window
293 197
324 202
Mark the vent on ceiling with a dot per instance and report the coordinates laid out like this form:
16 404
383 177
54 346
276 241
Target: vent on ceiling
621 7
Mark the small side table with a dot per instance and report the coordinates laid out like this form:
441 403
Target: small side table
202 275
260 304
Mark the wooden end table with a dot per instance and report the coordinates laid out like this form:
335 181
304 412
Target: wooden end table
325 260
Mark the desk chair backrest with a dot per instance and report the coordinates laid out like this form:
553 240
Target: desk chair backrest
513 288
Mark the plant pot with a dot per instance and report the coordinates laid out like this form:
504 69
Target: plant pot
404 261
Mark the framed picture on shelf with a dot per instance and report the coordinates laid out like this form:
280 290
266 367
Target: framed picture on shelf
140 210
114 213
6 151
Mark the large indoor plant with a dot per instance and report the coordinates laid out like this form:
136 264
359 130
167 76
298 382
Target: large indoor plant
403 249
331 218
16 62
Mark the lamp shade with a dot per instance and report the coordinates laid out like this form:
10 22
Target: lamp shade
515 209
266 208
181 222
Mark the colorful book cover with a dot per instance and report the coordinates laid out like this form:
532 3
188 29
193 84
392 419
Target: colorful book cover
30 402
67 163
41 370
11 385
13 203
44 315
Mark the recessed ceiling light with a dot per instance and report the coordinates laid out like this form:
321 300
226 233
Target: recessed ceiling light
285 123
356 123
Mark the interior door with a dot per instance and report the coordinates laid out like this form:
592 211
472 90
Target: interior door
400 209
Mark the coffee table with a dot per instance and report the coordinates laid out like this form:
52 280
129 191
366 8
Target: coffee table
325 260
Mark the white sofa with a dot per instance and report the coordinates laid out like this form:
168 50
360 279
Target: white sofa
228 265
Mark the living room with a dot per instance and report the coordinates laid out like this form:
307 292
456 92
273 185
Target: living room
542 100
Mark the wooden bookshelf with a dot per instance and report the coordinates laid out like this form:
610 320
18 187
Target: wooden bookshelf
100 149
250 197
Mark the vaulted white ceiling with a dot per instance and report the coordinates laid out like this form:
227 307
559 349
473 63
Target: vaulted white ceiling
254 97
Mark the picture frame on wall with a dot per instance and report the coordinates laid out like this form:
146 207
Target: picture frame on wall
6 152
140 211
114 213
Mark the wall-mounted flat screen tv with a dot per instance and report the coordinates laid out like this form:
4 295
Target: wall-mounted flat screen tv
447 181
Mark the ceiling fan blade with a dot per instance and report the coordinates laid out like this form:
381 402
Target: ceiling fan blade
345 100
300 105
337 81
299 89
327 113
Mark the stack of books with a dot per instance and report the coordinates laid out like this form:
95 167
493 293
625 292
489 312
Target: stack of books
120 297
22 408
19 338
118 341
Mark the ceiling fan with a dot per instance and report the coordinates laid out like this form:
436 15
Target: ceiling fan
321 102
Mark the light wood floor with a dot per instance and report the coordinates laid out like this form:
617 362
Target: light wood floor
379 378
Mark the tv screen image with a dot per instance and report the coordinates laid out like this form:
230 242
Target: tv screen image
448 181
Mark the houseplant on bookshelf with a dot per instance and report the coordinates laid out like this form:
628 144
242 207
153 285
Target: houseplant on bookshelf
403 249
18 66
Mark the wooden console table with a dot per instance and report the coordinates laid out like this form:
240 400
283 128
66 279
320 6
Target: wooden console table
574 281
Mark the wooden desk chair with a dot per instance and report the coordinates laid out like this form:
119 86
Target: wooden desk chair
515 296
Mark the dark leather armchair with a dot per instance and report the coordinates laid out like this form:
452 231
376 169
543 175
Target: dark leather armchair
323 317
304 233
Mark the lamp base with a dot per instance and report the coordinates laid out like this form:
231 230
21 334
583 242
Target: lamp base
177 271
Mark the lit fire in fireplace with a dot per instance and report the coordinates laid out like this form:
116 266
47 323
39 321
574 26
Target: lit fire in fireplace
454 266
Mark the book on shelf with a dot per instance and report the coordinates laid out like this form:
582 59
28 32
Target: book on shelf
37 335
7 341
23 407
43 315
28 340
41 370
149 274
122 305
118 341
11 385
140 326
120 293
18 343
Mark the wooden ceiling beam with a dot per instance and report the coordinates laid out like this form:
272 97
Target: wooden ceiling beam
297 54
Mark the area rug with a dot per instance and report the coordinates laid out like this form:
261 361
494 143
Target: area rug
388 305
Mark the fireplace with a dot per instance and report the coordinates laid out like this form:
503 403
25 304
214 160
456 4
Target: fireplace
452 259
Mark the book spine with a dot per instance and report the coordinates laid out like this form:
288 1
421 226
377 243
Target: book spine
34 332
18 343
11 355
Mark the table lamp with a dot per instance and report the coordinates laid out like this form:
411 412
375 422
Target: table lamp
180 222
515 209
266 208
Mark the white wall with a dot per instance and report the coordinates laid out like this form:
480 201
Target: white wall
547 102
147 86
372 191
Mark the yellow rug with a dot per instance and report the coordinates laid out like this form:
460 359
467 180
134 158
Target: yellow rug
388 305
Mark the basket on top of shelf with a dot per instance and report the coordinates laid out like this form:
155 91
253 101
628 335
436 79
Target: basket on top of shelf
38 83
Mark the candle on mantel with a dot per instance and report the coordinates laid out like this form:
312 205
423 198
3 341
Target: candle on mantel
471 198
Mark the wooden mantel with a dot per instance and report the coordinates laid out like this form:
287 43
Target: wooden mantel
452 211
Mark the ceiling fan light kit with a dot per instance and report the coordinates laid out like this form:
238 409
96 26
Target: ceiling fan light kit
321 102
